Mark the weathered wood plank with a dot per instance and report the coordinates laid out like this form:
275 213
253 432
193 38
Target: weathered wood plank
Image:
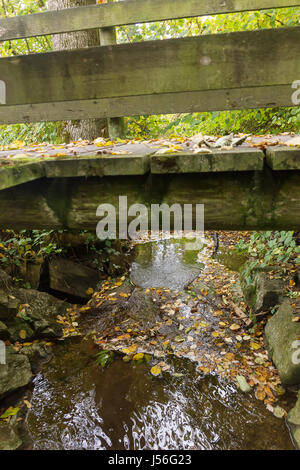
121 13
116 125
262 200
190 102
222 61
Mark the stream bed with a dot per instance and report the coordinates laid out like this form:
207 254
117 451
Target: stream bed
78 405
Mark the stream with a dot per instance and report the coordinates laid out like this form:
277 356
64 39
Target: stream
78 405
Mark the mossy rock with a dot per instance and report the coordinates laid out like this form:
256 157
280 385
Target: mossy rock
260 292
9 439
282 335
294 422
15 373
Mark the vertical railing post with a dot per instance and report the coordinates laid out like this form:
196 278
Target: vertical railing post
116 126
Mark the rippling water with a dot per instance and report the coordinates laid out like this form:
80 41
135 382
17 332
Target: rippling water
77 405
167 263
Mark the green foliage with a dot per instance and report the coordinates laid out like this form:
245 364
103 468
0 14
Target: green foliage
29 133
252 121
269 248
104 358
15 248
35 132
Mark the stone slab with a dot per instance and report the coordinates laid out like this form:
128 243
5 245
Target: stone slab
241 159
20 173
283 158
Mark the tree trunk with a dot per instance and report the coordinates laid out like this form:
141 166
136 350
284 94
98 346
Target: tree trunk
89 128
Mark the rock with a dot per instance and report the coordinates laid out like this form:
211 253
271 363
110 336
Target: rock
200 288
31 271
143 307
43 310
39 319
9 439
4 333
282 335
294 421
15 374
242 383
37 354
72 278
5 280
261 293
8 305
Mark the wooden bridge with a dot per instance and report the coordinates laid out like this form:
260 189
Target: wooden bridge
251 189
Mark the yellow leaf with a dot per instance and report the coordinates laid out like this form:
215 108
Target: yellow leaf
234 327
27 404
156 370
89 291
22 334
10 412
255 345
203 369
130 349
138 356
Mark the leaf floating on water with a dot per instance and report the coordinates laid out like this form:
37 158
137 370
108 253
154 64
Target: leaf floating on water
138 356
126 358
279 412
156 371
243 384
260 393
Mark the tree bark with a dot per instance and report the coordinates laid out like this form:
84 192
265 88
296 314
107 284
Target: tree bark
87 129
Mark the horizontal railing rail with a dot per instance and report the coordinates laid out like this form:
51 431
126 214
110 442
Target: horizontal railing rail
124 13
213 72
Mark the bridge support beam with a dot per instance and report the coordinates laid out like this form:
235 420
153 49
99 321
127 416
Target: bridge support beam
258 200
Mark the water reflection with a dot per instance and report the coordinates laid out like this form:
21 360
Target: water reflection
166 263
76 405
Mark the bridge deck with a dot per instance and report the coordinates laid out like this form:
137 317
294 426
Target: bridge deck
132 158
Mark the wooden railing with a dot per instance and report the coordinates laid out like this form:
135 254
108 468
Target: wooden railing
125 13
237 70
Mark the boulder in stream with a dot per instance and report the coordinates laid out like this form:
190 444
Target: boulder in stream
282 336
9 439
143 307
72 278
294 422
260 291
15 373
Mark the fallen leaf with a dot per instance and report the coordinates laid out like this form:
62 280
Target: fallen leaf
156 370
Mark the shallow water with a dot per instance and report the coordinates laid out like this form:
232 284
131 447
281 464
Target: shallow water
77 405
167 263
